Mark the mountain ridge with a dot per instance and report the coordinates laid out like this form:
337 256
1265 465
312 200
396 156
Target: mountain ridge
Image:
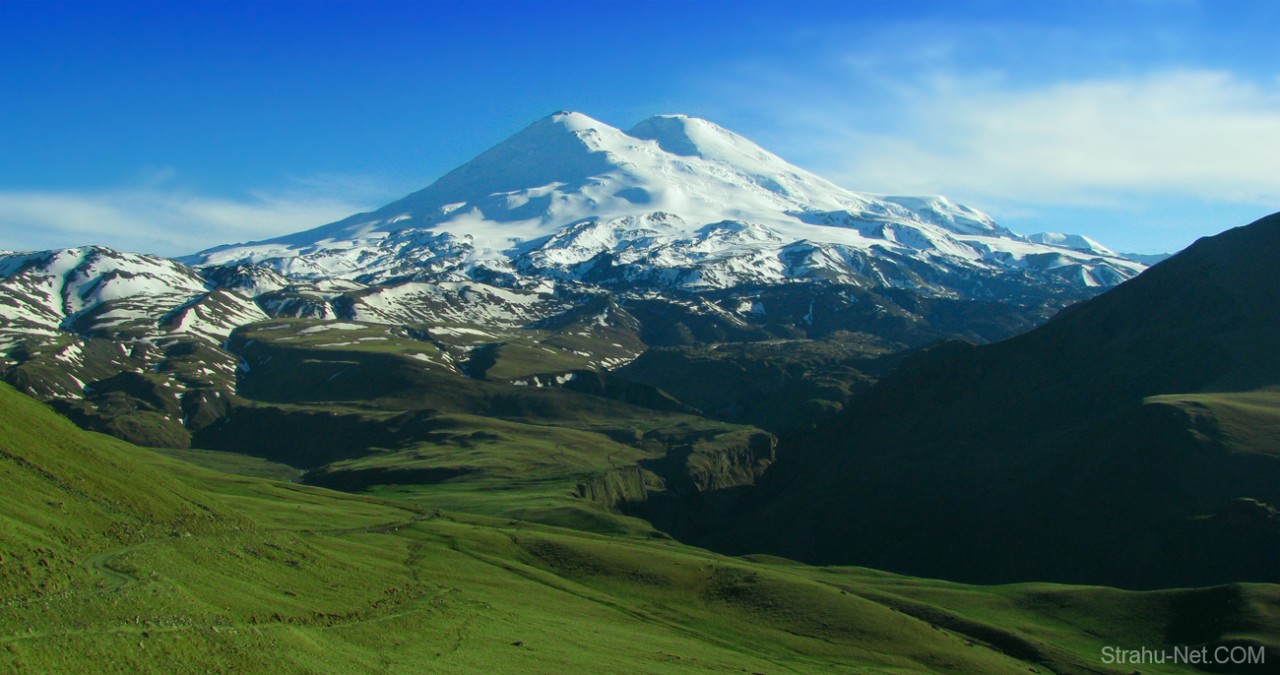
696 230
675 194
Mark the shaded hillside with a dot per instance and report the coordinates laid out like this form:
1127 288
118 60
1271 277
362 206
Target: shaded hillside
1043 457
784 386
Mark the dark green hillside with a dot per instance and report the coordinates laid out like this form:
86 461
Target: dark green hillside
367 408
152 394
785 386
1046 457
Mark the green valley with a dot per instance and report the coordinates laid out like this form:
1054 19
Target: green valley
119 559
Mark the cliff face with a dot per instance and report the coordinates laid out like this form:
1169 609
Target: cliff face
697 473
619 487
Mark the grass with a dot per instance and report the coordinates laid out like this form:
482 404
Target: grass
233 462
539 472
1246 422
166 565
359 417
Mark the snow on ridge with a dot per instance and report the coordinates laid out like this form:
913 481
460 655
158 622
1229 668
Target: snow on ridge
1075 242
335 325
569 168
135 296
568 194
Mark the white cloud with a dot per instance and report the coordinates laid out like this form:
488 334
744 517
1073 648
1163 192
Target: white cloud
154 217
1200 134
1143 126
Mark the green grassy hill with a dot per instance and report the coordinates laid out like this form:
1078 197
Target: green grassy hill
68 493
118 559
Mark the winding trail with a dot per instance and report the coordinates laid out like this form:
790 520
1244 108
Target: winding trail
116 579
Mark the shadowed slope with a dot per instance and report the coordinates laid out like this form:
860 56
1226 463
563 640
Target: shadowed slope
1042 458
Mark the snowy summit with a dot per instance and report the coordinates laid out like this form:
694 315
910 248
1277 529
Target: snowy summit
675 202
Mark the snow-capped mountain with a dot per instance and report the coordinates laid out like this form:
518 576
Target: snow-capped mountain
73 317
572 246
567 208
1075 242
674 203
100 292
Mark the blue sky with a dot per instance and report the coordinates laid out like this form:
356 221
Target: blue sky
170 127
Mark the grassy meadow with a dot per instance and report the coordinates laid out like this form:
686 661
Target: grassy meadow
121 559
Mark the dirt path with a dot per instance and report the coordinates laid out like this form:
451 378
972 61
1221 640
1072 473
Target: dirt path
116 579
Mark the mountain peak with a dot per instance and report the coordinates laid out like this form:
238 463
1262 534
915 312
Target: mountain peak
570 120
568 189
562 123
694 137
564 147
1075 242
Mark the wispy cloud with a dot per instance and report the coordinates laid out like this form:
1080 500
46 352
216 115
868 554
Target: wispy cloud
157 217
1203 134
1030 119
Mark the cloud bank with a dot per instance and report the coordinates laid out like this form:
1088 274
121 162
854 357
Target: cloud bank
164 220
1143 133
1188 133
